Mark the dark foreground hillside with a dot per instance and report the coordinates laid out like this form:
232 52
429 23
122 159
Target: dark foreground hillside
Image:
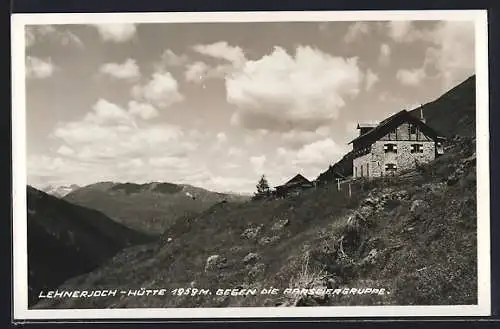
414 236
150 207
65 240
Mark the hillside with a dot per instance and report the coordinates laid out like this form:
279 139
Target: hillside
454 113
412 235
148 208
65 240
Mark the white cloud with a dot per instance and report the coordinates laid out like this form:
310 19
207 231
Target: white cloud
128 70
282 92
298 138
450 56
64 150
356 31
37 68
371 79
196 72
319 153
309 160
227 184
221 137
385 54
105 112
172 59
403 31
222 50
453 53
143 110
116 32
162 90
411 77
49 33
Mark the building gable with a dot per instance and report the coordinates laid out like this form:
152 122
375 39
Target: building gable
390 125
298 179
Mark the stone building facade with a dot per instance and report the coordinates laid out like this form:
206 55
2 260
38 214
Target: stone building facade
397 143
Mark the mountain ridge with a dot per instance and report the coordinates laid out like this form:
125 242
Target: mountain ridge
148 207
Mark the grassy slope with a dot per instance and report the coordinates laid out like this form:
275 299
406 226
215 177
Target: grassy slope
425 260
149 208
65 240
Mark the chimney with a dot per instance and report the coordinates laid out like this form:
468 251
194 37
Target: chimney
422 114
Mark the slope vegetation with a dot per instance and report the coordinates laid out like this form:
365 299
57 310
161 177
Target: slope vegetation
412 235
149 208
65 240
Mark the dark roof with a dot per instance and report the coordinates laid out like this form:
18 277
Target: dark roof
393 121
297 179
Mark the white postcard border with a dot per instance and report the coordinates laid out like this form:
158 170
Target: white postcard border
19 226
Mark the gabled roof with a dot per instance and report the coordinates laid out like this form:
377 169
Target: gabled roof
297 179
391 123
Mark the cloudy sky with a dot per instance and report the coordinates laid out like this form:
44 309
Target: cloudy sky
218 104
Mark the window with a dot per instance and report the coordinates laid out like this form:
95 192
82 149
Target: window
390 148
417 148
367 170
413 129
390 167
355 171
439 148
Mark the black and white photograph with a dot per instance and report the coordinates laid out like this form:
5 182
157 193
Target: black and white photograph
200 165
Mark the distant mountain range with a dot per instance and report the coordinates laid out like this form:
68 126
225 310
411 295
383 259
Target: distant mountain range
151 207
66 240
60 191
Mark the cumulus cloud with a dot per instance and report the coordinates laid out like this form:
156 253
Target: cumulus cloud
309 160
196 72
284 92
222 50
128 70
371 79
221 137
116 32
49 33
356 31
105 112
453 53
297 138
411 77
385 54
228 184
64 150
403 31
449 57
170 58
319 153
37 68
162 90
143 110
